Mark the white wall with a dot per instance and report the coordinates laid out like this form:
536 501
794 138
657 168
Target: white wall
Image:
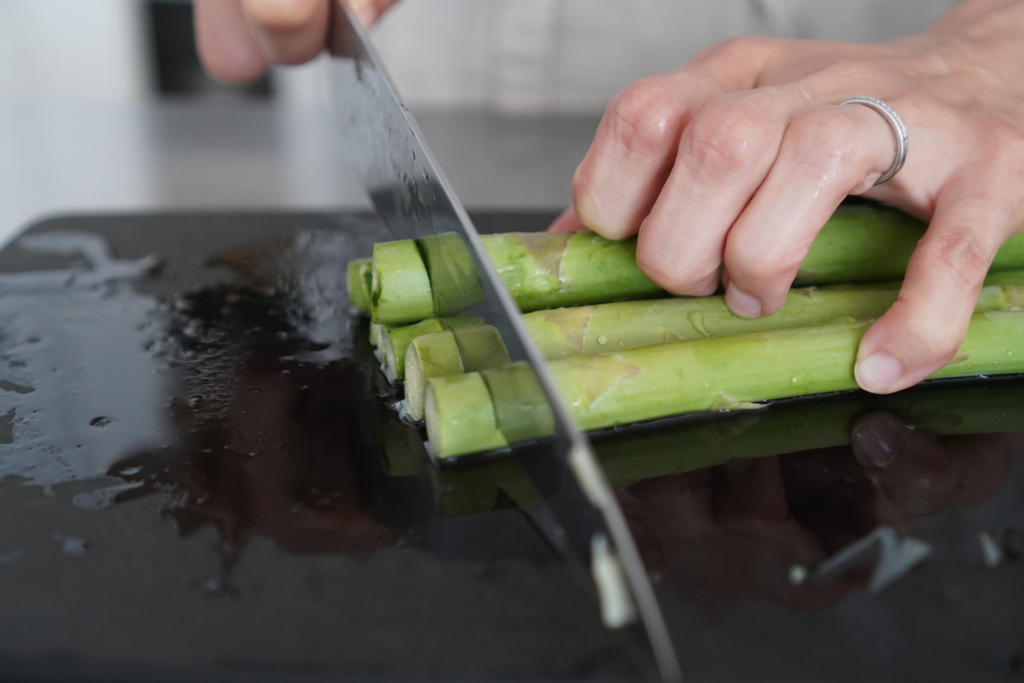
573 55
77 50
508 55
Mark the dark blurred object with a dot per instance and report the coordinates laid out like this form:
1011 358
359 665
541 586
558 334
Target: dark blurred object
176 65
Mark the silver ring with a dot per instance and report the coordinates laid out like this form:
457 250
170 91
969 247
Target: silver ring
898 127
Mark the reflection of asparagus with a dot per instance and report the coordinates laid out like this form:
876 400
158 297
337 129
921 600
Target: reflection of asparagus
604 390
549 270
699 441
677 446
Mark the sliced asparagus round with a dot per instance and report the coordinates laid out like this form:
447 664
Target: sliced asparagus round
401 287
455 419
395 341
451 352
360 284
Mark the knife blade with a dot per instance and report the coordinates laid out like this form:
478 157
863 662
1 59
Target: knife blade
385 147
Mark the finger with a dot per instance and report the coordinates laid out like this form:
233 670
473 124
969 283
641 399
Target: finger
567 222
619 178
226 48
911 467
369 11
635 145
975 213
826 153
290 32
983 464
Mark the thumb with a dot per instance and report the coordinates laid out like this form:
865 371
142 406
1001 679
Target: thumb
975 213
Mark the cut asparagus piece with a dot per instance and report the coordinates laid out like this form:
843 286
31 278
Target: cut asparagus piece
401 287
360 284
520 405
454 283
395 342
451 352
466 428
714 374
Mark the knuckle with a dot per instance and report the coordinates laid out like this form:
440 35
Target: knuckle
850 71
676 273
741 47
1007 148
761 266
824 138
963 254
727 139
642 117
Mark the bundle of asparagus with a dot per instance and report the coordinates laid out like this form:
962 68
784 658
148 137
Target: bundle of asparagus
640 358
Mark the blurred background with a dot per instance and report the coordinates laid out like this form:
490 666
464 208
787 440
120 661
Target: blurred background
105 107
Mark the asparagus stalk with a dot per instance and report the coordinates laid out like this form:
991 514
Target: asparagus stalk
565 332
451 352
698 375
549 270
360 284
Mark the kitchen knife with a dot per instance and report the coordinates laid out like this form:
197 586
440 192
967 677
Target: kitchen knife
385 147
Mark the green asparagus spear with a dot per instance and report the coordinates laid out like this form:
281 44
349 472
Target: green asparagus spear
549 270
703 375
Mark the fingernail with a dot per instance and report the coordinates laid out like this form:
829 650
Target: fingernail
878 372
365 10
875 443
742 304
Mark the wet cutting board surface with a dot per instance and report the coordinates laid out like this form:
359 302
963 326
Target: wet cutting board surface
200 477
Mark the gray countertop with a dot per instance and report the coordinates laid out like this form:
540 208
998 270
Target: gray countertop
61 158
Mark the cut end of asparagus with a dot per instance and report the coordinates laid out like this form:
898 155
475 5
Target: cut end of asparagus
451 352
430 355
399 338
377 334
360 284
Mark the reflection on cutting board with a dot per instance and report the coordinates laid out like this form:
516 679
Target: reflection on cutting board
189 462
245 406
